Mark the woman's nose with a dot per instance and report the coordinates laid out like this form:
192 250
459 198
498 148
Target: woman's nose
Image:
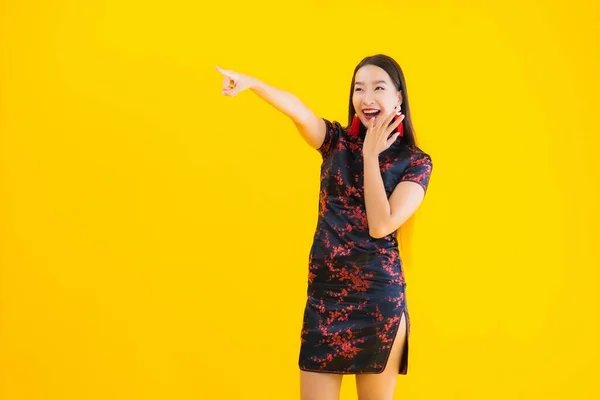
368 98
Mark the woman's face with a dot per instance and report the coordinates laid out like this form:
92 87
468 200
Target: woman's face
374 91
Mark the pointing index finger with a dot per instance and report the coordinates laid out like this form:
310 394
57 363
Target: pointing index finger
223 71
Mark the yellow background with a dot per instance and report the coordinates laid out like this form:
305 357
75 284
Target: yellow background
154 235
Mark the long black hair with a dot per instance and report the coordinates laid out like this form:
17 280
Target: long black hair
389 65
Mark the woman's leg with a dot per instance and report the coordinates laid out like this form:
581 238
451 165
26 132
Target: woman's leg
382 386
320 386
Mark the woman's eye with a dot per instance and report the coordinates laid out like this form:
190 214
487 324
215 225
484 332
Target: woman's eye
378 87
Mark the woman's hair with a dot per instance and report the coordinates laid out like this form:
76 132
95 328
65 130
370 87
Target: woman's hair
389 65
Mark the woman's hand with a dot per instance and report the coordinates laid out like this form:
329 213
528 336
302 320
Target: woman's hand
376 139
234 82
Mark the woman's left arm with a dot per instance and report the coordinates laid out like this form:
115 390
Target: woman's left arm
385 216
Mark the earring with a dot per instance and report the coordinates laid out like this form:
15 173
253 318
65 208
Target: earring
354 129
399 128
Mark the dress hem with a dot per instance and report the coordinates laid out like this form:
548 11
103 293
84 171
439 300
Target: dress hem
403 367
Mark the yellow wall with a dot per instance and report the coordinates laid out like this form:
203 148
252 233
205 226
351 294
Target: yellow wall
154 235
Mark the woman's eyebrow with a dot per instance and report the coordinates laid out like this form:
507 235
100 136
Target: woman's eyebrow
374 83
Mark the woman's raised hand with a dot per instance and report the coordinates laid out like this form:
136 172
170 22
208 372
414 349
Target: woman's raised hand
378 131
234 82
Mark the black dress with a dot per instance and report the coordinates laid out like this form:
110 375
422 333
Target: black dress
356 290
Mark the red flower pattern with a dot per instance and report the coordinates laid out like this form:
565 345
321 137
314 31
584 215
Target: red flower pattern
356 290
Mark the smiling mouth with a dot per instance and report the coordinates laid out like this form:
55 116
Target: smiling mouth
369 115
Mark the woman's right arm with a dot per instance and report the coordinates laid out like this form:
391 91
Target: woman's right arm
310 126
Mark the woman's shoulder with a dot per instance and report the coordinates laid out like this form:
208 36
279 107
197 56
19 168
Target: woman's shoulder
333 124
413 156
413 148
415 151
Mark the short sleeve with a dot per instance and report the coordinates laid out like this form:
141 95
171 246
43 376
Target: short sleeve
418 170
332 135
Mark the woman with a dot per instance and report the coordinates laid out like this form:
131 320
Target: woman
373 178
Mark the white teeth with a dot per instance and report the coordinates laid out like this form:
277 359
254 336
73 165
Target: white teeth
371 112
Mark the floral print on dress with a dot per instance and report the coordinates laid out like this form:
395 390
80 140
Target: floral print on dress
356 292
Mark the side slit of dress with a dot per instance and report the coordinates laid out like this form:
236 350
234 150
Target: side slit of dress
403 367
404 359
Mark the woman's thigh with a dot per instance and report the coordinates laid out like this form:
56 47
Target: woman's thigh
320 386
382 386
